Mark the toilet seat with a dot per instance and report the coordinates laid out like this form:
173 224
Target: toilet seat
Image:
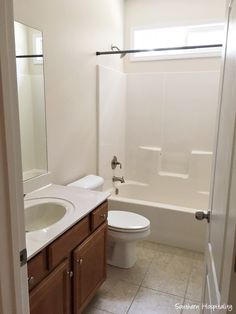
122 221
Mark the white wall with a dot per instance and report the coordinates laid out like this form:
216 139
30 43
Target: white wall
73 31
112 120
139 13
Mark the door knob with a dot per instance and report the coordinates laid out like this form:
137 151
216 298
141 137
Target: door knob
201 215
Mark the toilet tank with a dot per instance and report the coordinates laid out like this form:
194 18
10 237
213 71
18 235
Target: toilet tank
90 182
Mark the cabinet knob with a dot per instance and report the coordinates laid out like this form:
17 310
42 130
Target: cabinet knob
79 261
70 274
103 216
30 280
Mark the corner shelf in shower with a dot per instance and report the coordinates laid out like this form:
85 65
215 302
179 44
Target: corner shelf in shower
173 174
206 193
201 152
151 148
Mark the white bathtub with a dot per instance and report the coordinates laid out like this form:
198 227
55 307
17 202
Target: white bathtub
171 224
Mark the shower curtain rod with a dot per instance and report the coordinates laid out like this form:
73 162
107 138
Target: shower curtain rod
115 52
29 56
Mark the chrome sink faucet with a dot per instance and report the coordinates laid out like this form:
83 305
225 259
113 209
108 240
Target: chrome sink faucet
118 179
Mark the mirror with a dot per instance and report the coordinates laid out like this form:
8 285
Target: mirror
30 82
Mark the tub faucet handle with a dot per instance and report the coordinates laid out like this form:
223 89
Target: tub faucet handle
115 163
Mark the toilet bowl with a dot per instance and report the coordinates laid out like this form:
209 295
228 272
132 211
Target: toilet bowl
125 229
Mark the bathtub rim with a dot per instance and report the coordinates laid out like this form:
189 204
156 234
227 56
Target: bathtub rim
153 204
118 198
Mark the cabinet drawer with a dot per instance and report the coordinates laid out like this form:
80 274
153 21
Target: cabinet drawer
62 247
99 216
37 269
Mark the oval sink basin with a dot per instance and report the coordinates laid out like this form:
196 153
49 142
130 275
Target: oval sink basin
43 215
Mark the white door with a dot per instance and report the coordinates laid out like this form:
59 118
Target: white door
13 272
221 181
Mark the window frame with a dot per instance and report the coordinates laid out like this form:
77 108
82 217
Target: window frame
199 53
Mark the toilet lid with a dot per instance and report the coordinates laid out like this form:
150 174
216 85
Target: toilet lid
127 221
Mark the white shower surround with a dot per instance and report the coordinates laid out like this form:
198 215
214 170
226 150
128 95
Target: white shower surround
145 122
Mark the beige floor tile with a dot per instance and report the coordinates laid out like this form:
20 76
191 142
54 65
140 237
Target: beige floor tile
161 248
152 302
115 296
135 274
175 251
191 307
194 290
185 253
169 273
168 249
199 256
148 245
180 267
162 269
199 264
93 310
146 252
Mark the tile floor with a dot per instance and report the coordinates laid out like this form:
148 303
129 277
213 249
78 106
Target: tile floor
162 277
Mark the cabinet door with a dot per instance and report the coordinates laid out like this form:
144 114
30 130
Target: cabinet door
52 295
89 268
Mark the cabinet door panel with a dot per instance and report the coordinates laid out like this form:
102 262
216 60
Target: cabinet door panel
52 295
89 268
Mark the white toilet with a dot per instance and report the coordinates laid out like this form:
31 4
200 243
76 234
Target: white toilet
90 182
125 229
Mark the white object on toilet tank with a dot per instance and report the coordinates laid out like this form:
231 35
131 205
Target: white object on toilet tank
90 182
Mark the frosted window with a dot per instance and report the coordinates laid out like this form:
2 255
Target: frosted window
208 34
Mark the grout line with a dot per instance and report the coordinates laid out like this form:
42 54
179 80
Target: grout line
133 300
167 293
164 292
194 301
190 273
103 310
140 285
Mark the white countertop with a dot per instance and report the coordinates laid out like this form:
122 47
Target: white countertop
84 201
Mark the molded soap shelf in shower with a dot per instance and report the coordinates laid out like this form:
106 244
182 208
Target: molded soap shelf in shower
173 174
201 152
151 148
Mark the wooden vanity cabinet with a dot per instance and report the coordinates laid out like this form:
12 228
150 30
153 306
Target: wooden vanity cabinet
65 275
89 265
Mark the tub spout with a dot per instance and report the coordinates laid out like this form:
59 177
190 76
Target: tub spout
116 179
